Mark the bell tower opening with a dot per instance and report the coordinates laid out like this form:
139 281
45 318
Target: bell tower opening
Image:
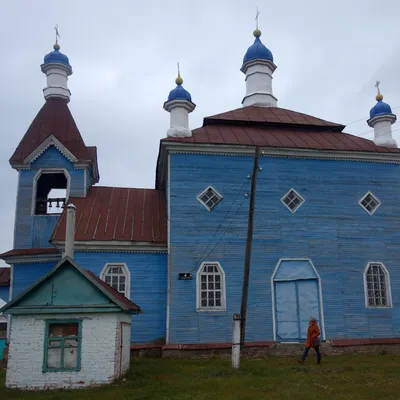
50 193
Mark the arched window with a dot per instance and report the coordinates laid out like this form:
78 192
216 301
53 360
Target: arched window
210 285
118 277
377 286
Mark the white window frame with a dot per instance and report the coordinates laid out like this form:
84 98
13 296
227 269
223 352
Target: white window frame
126 271
199 307
204 191
363 197
36 179
388 287
297 194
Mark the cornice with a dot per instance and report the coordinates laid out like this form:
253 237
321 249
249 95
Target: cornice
113 246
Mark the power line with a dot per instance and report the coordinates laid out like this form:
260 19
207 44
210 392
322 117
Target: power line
226 215
226 230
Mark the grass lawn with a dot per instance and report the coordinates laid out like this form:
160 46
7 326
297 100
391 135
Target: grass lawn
344 377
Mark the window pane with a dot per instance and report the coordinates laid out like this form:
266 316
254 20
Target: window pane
108 279
53 358
115 280
70 357
122 279
61 330
54 343
71 342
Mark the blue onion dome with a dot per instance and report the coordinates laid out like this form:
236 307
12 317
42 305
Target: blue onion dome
258 50
56 57
179 93
380 108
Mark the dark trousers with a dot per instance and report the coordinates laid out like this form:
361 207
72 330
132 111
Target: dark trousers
307 349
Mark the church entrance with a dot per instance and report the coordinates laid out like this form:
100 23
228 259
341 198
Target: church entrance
296 297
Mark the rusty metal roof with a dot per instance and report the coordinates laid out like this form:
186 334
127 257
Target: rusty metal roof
276 127
272 115
54 118
29 252
118 214
4 276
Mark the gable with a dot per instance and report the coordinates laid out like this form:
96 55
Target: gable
52 157
66 287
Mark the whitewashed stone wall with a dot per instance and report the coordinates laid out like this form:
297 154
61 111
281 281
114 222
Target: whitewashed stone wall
98 360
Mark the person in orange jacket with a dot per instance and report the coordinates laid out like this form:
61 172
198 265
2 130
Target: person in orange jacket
312 340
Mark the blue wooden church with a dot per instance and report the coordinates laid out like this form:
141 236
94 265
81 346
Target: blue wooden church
326 238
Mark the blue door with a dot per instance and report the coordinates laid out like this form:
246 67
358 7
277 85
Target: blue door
295 302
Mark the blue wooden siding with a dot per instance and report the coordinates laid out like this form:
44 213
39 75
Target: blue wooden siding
4 293
27 274
42 228
148 288
330 228
33 231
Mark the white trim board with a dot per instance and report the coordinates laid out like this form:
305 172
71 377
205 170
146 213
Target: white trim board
48 171
320 294
215 192
198 289
127 274
389 288
363 197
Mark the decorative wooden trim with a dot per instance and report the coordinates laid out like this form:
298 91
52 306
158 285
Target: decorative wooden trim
199 308
127 274
320 294
298 195
39 259
50 141
168 308
363 197
113 246
169 147
389 288
204 204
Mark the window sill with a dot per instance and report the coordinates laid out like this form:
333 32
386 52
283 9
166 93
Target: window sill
60 370
219 310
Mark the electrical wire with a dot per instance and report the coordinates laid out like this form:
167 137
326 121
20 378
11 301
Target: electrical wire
226 215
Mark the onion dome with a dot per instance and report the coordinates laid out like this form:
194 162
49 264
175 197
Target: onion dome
56 57
179 93
380 108
258 50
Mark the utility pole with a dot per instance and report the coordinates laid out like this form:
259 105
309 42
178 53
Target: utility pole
245 292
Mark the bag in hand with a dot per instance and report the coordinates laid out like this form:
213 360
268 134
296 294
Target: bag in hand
316 343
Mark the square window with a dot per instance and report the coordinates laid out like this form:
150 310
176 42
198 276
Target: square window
209 198
369 203
62 346
292 200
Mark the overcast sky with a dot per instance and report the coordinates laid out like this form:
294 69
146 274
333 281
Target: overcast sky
124 53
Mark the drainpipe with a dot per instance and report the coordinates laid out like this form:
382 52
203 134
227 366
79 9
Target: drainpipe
70 232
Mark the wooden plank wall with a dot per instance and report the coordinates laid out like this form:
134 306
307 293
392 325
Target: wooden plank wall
330 228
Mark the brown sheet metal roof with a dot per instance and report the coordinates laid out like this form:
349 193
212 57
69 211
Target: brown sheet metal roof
272 115
29 252
120 214
275 127
114 293
4 276
54 118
